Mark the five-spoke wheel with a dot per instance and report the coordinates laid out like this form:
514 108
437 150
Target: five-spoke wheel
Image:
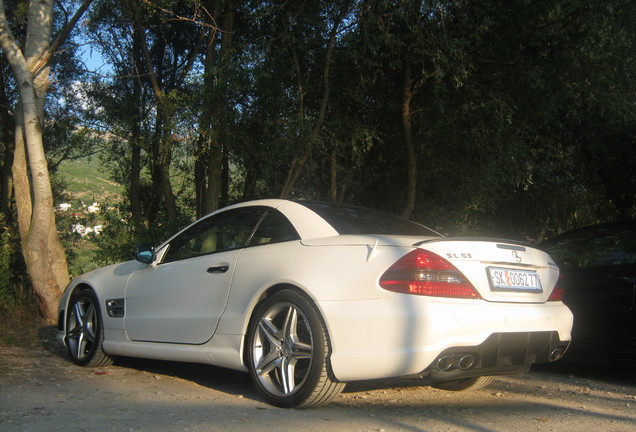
288 352
84 331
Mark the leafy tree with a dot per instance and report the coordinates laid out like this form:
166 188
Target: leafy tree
152 48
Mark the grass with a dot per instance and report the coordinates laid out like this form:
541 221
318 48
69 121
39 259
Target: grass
85 181
83 261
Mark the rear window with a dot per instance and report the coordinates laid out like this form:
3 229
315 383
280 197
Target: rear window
358 220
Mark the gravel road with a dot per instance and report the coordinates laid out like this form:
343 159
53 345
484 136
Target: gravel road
41 390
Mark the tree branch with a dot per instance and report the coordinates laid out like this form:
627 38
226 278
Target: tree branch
61 38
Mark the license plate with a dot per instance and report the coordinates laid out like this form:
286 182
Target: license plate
503 279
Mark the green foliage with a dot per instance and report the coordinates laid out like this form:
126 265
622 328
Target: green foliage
15 293
522 113
520 127
116 241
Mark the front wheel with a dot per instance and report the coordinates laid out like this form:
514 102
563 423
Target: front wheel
85 332
288 352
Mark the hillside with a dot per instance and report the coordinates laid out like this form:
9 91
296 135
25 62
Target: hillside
85 181
84 184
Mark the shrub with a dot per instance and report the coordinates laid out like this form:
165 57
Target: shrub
14 288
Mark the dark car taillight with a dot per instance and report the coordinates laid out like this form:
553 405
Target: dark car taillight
422 272
557 292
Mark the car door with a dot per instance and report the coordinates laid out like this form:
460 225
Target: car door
181 298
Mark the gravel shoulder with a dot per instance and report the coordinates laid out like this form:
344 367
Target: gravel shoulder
41 390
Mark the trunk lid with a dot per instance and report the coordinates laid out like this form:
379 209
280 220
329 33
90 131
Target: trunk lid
500 270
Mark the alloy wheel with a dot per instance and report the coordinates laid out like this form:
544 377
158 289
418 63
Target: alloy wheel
283 349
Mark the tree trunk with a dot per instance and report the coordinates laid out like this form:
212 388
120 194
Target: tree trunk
21 185
298 163
162 86
214 113
7 122
166 185
135 139
411 164
44 254
41 246
334 175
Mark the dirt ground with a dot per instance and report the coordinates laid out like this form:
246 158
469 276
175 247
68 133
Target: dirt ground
41 390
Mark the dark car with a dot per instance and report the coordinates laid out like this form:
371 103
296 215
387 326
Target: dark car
598 266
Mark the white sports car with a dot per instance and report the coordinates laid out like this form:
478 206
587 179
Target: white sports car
307 296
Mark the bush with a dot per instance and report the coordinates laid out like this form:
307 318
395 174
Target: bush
14 289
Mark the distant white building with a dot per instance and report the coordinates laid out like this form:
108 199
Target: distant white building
94 208
64 207
84 230
78 229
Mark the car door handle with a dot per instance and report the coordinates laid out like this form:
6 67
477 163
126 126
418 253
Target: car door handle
218 269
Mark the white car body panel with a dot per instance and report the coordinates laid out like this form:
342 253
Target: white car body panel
374 333
413 333
161 307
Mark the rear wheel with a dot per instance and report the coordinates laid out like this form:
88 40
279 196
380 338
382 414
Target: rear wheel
288 352
85 332
474 383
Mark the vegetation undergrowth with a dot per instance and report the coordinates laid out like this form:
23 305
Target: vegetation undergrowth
20 320
23 328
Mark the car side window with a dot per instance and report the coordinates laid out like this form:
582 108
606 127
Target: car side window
614 249
274 228
604 249
221 232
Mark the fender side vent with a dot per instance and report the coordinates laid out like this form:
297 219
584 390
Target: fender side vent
115 308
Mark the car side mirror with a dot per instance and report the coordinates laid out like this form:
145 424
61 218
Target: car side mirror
144 253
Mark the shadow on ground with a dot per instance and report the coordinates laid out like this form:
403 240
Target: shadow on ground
239 383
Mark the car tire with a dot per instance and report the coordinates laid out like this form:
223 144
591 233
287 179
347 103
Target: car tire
85 331
288 352
474 383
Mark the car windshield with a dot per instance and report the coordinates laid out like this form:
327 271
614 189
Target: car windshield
348 219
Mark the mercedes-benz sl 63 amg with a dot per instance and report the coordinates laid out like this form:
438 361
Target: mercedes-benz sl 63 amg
308 296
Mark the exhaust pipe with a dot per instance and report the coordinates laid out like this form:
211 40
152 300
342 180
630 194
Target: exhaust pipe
466 362
445 363
557 354
463 361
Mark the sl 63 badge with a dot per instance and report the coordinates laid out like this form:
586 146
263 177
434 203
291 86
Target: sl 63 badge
454 255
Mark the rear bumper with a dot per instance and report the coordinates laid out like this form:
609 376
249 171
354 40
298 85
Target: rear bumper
401 335
501 353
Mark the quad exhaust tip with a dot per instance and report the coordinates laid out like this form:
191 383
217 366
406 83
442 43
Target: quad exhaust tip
557 354
445 363
462 362
466 362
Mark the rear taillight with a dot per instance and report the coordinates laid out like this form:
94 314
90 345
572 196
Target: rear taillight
557 292
421 272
